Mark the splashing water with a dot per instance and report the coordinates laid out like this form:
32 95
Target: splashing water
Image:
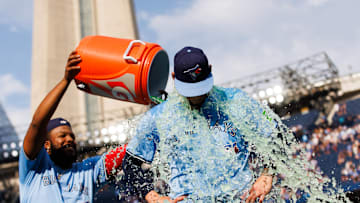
187 140
278 150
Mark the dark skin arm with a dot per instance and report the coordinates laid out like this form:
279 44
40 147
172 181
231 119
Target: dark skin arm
36 133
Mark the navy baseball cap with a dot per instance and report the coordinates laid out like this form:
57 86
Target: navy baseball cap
192 72
56 122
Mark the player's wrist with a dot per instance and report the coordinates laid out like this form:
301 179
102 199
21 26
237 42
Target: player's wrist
66 80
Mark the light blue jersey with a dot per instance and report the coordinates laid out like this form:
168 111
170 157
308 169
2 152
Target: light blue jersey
206 153
42 181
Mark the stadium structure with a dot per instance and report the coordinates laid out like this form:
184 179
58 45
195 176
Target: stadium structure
9 152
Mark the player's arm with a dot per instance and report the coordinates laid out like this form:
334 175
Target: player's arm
36 133
107 167
113 161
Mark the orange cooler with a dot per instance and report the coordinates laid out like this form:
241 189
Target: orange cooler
123 69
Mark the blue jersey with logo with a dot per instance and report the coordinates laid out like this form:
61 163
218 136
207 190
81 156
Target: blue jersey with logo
42 181
207 155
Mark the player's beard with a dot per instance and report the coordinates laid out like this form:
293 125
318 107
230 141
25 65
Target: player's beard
63 157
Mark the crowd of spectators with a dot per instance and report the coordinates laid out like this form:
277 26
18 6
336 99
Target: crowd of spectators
333 149
340 138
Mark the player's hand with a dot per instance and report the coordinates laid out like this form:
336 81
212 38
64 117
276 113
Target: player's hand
72 68
166 199
260 189
154 197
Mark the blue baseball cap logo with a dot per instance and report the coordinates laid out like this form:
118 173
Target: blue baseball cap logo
192 72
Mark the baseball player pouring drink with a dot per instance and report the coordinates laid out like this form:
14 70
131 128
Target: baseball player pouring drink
48 170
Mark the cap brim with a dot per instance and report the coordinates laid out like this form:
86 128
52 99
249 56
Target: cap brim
194 89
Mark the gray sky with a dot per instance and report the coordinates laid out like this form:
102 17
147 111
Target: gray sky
240 37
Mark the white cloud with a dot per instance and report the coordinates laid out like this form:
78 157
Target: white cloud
243 37
316 2
206 17
9 85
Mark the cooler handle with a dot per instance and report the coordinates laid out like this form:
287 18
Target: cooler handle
126 57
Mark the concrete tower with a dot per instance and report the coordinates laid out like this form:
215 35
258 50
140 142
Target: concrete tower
58 28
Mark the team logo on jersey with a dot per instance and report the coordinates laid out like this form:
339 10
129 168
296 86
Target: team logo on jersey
194 72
